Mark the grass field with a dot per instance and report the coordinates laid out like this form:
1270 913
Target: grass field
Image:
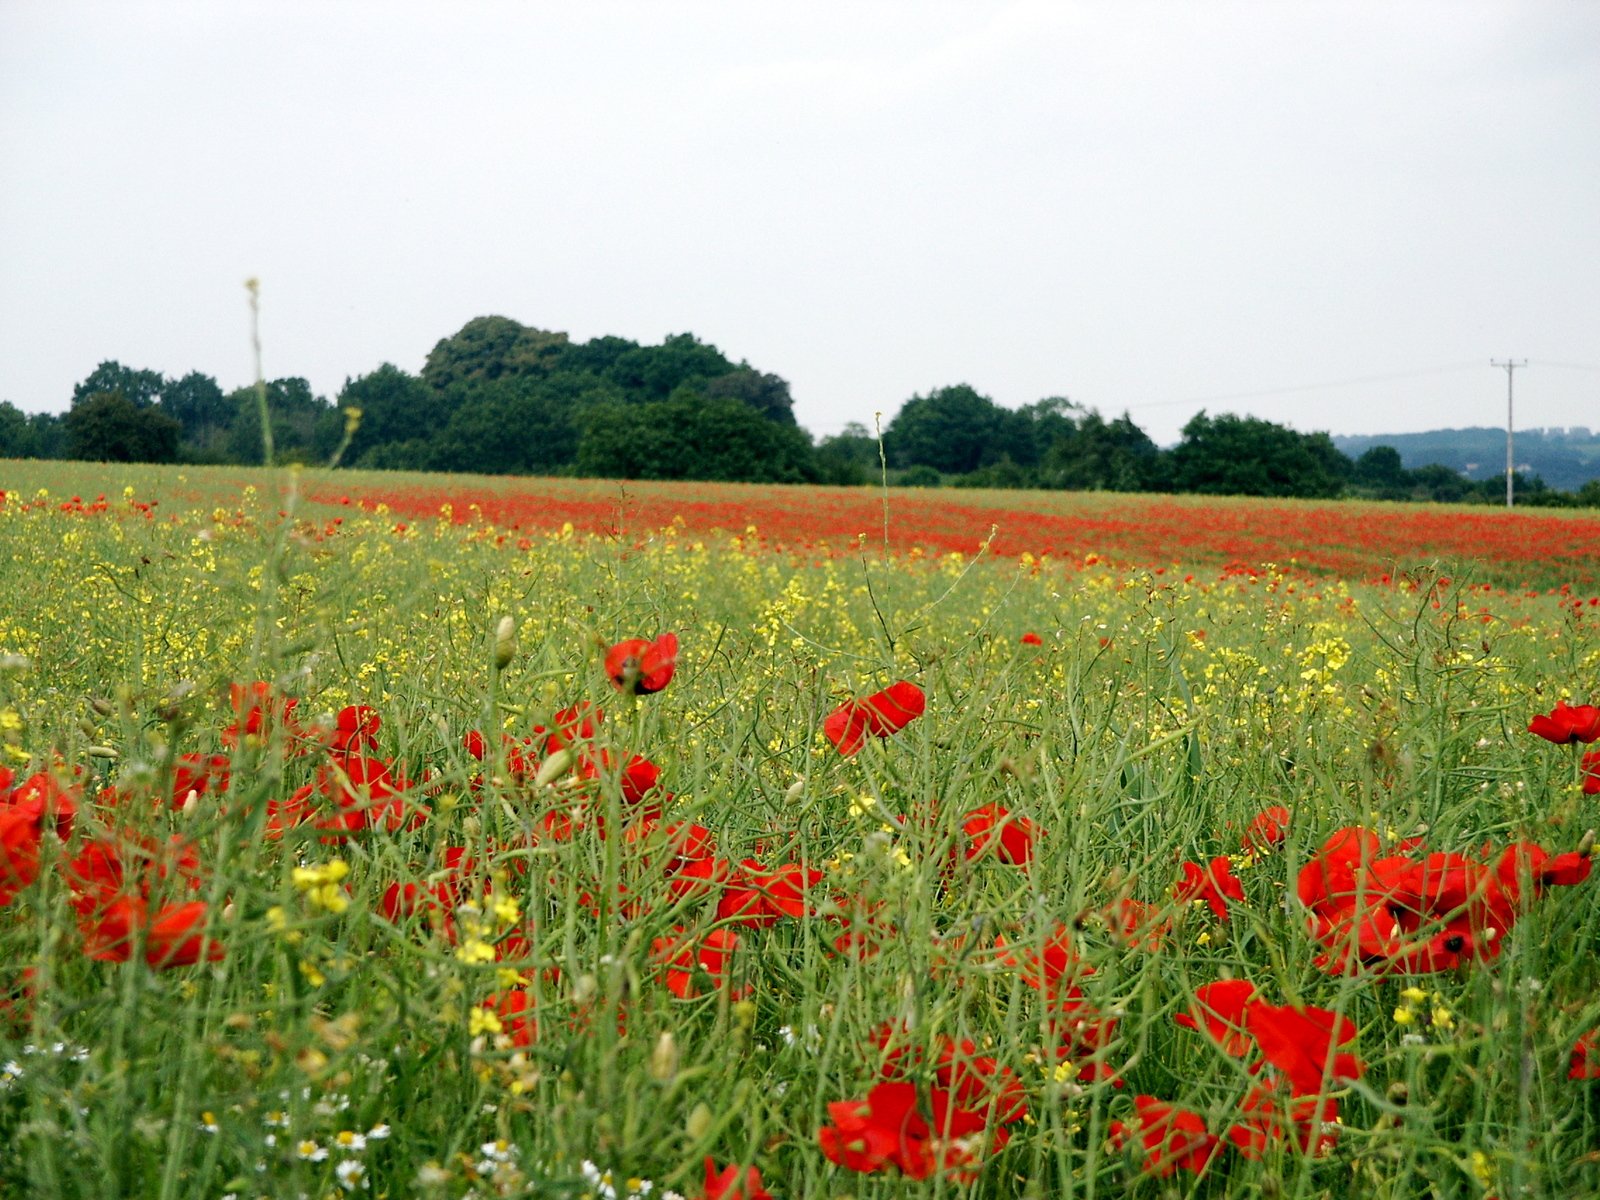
980 844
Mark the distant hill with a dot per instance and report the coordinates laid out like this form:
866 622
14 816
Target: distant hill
1563 458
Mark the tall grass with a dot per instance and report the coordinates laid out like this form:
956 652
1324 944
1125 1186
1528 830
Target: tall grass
1152 723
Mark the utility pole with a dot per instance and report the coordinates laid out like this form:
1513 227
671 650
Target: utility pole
1510 366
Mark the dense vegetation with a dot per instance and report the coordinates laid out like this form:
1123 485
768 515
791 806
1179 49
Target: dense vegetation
349 849
503 398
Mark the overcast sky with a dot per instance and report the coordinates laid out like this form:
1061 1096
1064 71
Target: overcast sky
1155 207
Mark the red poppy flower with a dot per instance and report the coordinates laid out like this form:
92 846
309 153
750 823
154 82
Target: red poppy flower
1220 1007
1263 1109
1136 923
759 898
879 715
575 724
682 956
1302 1044
1330 875
172 939
1048 967
637 778
38 804
639 666
512 1009
1031 639
1530 860
730 1183
1590 765
993 828
1173 1137
257 709
1214 883
355 729
1585 1062
975 1081
887 1129
198 775
1267 829
1567 724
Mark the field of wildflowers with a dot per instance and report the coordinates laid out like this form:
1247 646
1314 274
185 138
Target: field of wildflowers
364 836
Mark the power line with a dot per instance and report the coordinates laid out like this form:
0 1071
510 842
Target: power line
1308 387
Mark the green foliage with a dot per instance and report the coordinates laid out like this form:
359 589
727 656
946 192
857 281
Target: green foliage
1093 454
395 406
951 429
507 398
140 388
200 407
109 427
511 426
485 348
1246 456
305 427
848 458
688 437
649 373
919 476
766 394
19 435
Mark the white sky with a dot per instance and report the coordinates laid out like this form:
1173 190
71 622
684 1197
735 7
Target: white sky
1144 206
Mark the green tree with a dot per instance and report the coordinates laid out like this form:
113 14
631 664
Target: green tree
1100 455
49 434
953 430
651 373
108 427
1435 481
140 388
767 394
1380 469
201 408
395 405
689 437
18 438
485 348
848 458
305 427
1246 456
509 426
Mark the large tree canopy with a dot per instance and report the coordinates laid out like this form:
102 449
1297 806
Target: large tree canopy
1246 456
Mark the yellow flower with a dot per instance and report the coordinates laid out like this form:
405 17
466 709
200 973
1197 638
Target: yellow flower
483 1020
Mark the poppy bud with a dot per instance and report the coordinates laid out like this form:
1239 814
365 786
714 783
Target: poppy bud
505 642
664 1058
699 1122
1586 844
101 705
553 767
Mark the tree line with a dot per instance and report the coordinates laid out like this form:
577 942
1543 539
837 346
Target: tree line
499 397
